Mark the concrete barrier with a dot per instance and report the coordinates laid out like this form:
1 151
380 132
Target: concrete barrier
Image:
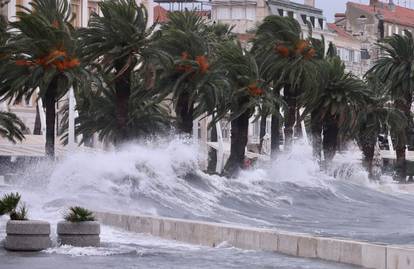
79 234
27 235
362 254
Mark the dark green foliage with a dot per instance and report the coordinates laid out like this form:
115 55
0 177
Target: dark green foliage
20 214
247 92
394 69
41 31
79 214
334 105
41 54
192 78
119 47
147 115
11 127
9 205
119 39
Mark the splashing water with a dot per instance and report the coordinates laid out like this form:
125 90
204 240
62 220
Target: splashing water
290 193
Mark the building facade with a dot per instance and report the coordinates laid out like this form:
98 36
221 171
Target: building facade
243 14
364 25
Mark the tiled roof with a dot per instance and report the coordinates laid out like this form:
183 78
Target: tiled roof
339 30
160 14
245 37
401 15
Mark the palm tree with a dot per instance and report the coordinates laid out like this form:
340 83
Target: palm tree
118 44
147 115
191 79
394 69
41 55
248 92
288 62
335 104
378 116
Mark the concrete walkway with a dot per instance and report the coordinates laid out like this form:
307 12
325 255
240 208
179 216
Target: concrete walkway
123 250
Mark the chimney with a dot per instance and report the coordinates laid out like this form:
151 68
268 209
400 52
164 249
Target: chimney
310 3
391 5
373 2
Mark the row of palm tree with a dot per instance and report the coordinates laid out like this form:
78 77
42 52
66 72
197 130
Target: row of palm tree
125 73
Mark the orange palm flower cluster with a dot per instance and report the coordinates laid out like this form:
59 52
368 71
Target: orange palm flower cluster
254 90
184 68
202 63
282 50
302 47
310 54
188 68
56 58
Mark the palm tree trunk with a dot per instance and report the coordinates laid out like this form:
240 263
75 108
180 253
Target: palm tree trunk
298 126
316 130
184 112
275 135
239 133
367 145
400 164
37 130
330 140
263 121
401 145
123 93
275 127
50 102
290 117
212 154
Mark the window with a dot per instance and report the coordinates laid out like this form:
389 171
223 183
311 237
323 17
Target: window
223 13
76 8
312 19
365 54
304 19
93 7
320 23
351 56
256 128
280 12
290 14
251 13
238 13
357 56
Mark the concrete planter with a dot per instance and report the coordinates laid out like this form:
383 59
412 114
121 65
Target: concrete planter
27 235
79 234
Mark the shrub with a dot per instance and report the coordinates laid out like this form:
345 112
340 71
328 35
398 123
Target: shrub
79 214
9 205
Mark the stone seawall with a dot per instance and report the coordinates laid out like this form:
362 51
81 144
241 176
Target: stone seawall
296 244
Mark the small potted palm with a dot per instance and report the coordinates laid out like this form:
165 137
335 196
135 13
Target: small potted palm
79 228
23 234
